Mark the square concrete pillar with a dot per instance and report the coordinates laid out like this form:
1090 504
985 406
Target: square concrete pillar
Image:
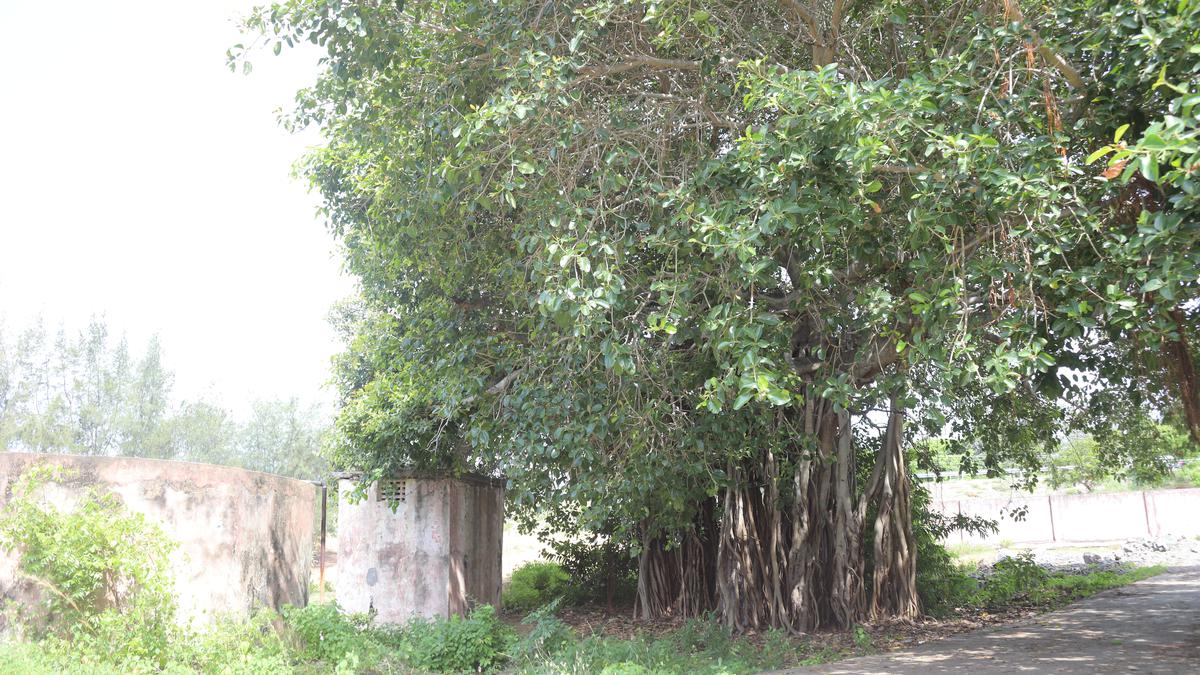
419 545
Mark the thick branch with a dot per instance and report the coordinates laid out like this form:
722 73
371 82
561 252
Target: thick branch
806 15
879 355
1060 64
497 388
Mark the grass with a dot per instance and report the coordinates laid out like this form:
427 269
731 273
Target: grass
972 552
1062 589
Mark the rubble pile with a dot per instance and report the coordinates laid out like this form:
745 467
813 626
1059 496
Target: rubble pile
1171 551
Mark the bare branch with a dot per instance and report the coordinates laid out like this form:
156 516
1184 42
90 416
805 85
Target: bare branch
639 61
504 382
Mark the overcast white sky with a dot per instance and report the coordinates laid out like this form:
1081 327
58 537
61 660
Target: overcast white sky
141 180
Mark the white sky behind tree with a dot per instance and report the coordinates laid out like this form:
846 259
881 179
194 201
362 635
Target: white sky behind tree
143 181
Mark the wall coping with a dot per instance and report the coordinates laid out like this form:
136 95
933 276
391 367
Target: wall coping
465 477
52 457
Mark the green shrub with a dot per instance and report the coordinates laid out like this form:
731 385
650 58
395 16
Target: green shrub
328 636
705 634
1012 577
942 585
108 597
479 642
36 659
533 585
941 582
235 646
1190 473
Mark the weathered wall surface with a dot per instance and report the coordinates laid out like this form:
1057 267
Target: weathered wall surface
1092 517
434 550
476 556
245 538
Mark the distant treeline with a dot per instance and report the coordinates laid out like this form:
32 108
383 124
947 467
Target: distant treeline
88 393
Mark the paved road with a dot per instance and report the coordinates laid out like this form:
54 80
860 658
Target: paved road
1152 626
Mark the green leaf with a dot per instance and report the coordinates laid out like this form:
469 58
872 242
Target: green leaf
742 400
1120 132
779 396
1149 168
1098 154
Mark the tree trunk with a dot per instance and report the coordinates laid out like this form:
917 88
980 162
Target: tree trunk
848 599
894 593
679 580
1183 368
794 564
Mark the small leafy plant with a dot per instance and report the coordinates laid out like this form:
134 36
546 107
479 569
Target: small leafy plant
326 635
102 571
479 642
548 635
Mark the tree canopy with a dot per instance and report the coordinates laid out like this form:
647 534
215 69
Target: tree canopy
699 269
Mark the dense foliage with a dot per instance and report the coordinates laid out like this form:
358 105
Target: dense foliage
700 271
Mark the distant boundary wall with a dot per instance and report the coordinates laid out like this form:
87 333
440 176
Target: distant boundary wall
245 538
1076 518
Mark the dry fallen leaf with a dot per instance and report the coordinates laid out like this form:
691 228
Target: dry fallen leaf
1114 170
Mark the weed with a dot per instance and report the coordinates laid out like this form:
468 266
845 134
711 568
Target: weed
549 634
1011 578
479 642
862 639
821 656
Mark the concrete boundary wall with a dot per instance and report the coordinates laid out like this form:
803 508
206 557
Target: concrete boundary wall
1090 517
245 538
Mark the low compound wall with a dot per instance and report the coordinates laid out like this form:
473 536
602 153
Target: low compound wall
245 538
1090 517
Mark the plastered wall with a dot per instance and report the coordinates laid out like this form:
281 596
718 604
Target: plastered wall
1088 517
245 538
432 550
